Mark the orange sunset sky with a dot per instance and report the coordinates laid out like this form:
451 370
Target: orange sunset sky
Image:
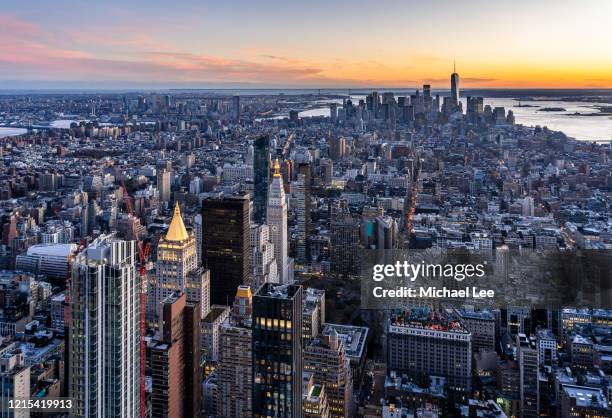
329 43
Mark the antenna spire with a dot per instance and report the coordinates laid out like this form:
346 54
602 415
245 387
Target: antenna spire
454 66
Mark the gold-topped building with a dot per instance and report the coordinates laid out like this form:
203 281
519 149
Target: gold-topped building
277 220
177 266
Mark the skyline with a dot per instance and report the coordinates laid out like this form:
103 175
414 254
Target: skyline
345 44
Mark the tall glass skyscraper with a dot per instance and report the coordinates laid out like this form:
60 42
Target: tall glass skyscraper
277 351
261 172
455 87
104 355
226 245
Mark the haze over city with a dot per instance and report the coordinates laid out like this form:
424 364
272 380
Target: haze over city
113 44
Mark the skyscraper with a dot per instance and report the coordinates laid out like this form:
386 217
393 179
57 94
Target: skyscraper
234 369
197 227
236 108
303 212
277 351
177 266
527 356
163 185
175 360
344 242
104 330
261 174
226 249
277 221
325 357
264 263
454 87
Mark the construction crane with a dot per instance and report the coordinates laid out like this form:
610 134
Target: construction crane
144 251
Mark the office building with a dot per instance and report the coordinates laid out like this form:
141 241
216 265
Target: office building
177 266
454 88
175 360
236 108
344 242
313 312
261 181
527 358
226 249
277 221
211 331
234 368
324 357
163 185
197 227
303 193
420 344
314 398
277 351
264 261
481 324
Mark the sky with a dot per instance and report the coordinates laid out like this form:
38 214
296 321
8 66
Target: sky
318 44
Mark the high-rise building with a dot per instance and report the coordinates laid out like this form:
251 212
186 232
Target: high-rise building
277 221
163 185
234 368
337 147
261 174
14 380
236 107
327 171
177 266
420 344
226 249
313 312
527 357
481 324
277 351
344 242
211 331
454 87
314 399
333 111
325 357
104 357
175 360
264 262
303 212
197 227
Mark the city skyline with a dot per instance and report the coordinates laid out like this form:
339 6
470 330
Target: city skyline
354 44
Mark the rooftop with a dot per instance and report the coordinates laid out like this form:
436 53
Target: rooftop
585 396
423 318
177 230
353 337
56 250
278 291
